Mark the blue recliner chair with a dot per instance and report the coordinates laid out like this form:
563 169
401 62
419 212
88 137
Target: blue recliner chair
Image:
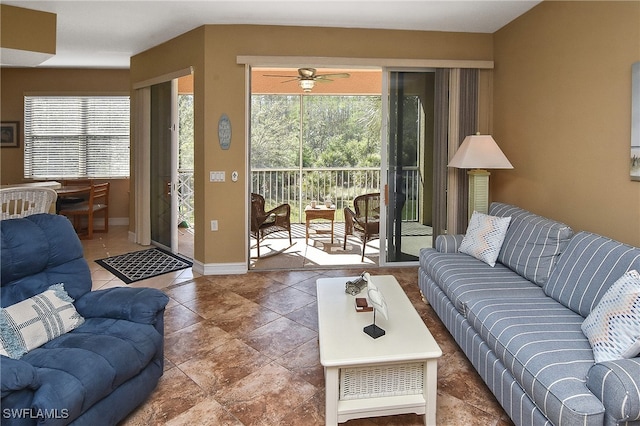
95 374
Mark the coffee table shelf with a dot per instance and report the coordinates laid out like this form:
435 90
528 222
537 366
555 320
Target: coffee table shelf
365 377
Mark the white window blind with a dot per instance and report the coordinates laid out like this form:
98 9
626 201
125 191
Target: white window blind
76 137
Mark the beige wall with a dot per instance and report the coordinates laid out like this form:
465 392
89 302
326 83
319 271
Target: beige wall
562 114
26 29
220 88
15 82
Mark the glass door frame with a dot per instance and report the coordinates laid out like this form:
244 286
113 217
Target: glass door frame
384 162
173 167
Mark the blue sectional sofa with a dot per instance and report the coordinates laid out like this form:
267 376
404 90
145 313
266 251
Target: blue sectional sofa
519 323
100 371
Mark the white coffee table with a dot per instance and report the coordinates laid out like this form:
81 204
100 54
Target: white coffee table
366 377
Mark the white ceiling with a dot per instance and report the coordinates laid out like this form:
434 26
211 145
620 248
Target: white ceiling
105 34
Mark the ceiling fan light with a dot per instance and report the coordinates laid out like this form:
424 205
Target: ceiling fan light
307 85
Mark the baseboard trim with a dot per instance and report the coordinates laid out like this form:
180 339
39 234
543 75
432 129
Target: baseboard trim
118 221
220 268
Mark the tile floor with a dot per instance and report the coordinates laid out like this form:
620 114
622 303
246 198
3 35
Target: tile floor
242 350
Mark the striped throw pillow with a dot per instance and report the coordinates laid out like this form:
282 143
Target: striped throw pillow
35 321
613 327
484 237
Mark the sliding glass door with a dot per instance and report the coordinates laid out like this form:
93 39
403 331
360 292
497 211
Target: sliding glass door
164 166
409 165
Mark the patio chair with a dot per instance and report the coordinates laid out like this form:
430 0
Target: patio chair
364 223
98 202
24 201
264 223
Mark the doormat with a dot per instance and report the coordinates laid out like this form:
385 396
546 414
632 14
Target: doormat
140 265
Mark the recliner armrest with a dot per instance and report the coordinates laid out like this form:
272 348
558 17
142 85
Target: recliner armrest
448 243
139 305
17 375
617 385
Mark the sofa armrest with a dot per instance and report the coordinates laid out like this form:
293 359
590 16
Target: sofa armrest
448 243
140 305
617 385
17 375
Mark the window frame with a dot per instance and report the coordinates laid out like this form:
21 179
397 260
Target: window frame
90 127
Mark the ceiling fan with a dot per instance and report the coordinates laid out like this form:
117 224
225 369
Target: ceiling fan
307 78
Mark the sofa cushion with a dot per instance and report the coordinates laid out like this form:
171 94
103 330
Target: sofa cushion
465 278
613 327
484 237
91 361
38 251
37 320
532 244
16 375
588 267
541 344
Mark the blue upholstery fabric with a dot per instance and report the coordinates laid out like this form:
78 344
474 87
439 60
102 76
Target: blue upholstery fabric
502 384
617 384
36 252
448 243
532 244
97 373
17 374
465 278
528 347
88 363
586 270
542 343
134 304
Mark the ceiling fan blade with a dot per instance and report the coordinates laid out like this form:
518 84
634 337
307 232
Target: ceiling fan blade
320 79
337 75
281 76
290 80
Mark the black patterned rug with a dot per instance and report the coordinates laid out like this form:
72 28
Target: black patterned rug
140 265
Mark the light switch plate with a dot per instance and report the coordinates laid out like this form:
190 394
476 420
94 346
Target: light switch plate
217 176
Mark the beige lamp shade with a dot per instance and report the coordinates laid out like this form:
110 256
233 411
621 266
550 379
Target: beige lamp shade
480 152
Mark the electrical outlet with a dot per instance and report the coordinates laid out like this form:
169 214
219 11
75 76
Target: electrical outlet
214 225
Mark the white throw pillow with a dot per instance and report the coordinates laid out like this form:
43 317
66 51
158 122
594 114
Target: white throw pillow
37 320
613 327
484 237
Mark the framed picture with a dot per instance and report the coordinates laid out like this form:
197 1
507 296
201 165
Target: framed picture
9 134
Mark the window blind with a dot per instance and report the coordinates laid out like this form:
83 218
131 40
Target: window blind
76 137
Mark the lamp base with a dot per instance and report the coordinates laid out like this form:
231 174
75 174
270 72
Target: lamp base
478 191
374 331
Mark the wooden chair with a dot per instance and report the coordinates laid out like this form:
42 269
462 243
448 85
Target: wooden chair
21 201
98 202
364 223
264 223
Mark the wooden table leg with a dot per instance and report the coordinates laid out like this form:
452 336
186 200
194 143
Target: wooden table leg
331 231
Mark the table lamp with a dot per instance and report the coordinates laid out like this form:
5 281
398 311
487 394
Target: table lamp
478 153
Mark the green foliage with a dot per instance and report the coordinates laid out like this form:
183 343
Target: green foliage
338 131
185 135
275 131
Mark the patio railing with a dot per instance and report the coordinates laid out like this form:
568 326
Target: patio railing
299 187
